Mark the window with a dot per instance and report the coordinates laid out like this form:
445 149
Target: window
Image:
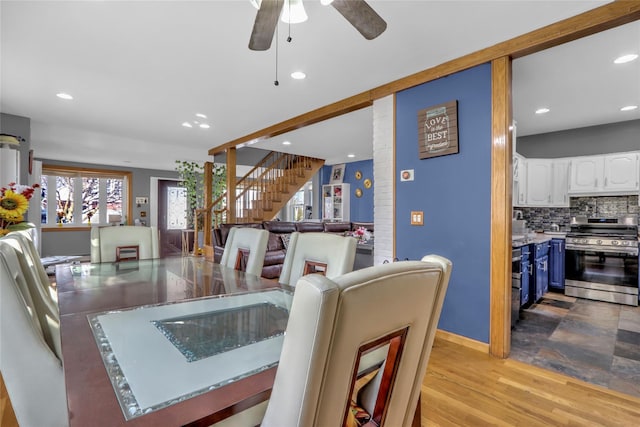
176 208
76 197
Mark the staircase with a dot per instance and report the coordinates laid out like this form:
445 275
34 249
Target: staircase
263 191
271 184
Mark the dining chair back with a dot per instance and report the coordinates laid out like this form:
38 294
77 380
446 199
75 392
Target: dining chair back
334 323
31 371
46 308
245 249
328 254
27 240
105 242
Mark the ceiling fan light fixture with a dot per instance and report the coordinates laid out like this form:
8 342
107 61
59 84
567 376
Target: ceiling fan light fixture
293 12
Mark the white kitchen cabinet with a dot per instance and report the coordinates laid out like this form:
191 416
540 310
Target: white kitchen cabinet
587 174
539 182
560 183
519 180
609 174
621 172
335 200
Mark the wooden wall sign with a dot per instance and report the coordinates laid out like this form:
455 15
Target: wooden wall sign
438 130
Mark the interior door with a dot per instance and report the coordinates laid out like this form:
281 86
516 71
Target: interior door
172 217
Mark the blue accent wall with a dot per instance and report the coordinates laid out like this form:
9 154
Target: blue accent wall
454 192
361 207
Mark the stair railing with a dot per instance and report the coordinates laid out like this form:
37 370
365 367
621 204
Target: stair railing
257 190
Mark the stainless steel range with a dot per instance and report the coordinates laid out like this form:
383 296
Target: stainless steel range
602 259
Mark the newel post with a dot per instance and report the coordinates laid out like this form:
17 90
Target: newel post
231 184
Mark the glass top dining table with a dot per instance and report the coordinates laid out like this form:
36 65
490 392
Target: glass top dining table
173 341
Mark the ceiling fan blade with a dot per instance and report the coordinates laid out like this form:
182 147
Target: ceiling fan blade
265 24
362 17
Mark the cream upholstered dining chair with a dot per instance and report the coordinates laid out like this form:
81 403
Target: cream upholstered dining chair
334 324
31 371
46 307
26 239
329 254
245 249
105 242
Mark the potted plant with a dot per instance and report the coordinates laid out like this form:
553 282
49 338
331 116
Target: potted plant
191 175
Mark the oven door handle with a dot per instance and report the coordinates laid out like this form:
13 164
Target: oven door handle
616 250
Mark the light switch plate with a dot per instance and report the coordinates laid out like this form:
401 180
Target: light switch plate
417 218
142 200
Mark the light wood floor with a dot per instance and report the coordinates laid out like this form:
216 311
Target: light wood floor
7 417
466 387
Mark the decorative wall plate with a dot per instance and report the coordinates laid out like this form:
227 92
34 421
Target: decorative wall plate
358 192
358 175
367 183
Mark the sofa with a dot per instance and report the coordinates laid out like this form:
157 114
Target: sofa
279 232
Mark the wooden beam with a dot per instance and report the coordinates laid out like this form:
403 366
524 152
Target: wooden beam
501 176
231 184
593 21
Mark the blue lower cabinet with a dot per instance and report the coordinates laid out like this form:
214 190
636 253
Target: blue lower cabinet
540 280
556 261
524 282
525 269
542 277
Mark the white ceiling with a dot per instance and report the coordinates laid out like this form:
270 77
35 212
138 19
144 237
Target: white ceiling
138 69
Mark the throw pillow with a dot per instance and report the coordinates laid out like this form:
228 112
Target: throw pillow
285 240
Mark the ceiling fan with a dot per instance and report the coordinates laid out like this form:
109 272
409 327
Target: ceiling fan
357 12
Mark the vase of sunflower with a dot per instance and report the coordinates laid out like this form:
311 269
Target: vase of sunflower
14 202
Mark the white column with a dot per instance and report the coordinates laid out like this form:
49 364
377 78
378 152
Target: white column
383 174
9 166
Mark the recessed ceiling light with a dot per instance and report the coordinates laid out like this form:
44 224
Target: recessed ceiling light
351 156
625 58
187 124
629 108
298 75
202 116
63 95
286 142
542 110
204 126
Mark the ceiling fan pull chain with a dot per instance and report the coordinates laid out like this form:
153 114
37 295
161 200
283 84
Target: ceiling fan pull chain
276 82
289 24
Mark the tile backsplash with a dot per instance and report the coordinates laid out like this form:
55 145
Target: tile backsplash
539 218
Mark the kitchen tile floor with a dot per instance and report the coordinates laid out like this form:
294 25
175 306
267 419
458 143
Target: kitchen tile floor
594 341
